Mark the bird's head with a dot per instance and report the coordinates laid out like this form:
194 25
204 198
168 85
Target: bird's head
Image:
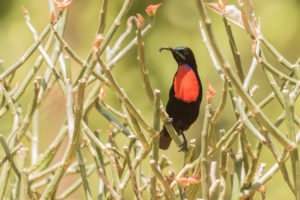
182 55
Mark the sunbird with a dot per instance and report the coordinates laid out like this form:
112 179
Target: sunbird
184 97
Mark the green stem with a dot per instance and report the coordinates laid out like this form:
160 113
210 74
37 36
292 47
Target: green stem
253 166
142 154
155 141
101 25
223 175
217 114
277 72
259 115
121 54
102 16
24 186
289 110
74 186
236 185
253 66
114 194
211 52
12 153
9 157
113 120
122 95
117 22
279 57
141 59
35 137
37 175
252 188
204 154
114 169
132 174
49 154
129 46
72 145
234 50
31 109
112 52
83 174
47 58
30 75
247 122
157 173
27 54
92 137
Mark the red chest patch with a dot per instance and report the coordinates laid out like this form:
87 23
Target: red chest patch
186 86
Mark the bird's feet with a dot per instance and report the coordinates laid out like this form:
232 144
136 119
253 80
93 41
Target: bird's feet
184 146
169 121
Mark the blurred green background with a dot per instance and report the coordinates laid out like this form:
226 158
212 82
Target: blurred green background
176 24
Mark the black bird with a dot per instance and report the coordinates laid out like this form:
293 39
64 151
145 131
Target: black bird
184 97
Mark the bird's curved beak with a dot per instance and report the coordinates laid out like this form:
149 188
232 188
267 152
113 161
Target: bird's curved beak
176 54
166 48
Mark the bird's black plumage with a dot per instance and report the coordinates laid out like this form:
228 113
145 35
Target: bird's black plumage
185 95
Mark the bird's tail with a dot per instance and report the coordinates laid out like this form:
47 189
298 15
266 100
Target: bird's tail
164 139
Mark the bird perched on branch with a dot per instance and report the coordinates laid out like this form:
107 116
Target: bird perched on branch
184 97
